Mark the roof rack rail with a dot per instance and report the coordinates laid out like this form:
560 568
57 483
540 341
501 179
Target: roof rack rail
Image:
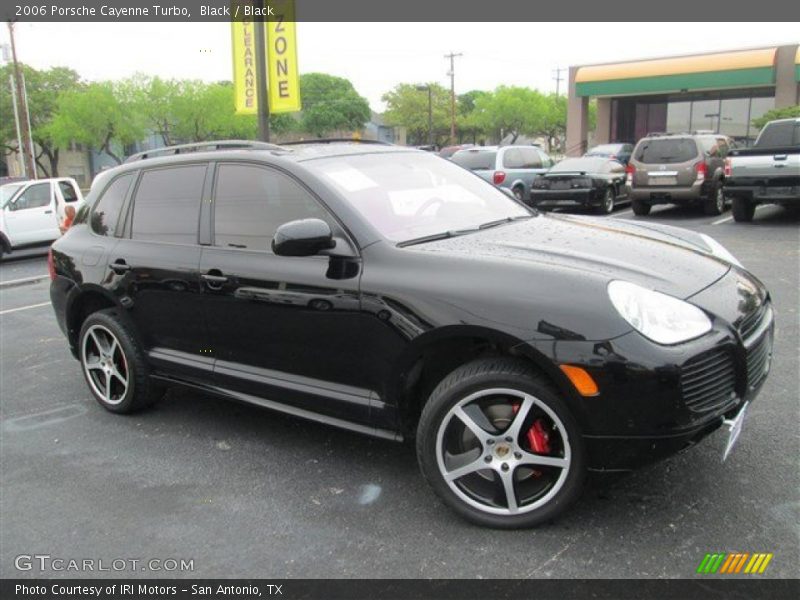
201 147
335 140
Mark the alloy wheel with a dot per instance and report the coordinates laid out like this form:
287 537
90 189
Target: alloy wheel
503 451
105 364
608 202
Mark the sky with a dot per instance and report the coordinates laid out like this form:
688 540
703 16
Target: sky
377 56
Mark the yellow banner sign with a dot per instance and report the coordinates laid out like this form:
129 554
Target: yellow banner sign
284 84
244 67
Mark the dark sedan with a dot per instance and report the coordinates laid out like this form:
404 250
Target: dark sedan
588 182
620 152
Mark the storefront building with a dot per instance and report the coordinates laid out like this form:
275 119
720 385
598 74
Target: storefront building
721 92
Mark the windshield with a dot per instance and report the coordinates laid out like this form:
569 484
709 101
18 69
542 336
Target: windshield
667 151
8 190
476 160
588 165
408 195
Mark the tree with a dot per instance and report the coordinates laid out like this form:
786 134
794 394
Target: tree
407 106
787 112
511 110
44 89
330 103
97 116
467 121
553 122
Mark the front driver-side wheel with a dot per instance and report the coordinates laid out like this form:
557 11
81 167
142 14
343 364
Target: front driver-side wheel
499 446
114 365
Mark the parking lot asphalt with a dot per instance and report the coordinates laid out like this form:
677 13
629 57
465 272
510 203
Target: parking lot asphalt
245 492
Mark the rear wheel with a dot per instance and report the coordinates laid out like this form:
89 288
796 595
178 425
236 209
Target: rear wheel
499 446
114 365
743 210
714 204
640 208
519 193
609 200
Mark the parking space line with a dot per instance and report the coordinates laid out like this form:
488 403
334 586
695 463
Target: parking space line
23 281
730 218
11 310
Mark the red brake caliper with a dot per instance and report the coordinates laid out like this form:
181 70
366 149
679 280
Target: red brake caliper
538 438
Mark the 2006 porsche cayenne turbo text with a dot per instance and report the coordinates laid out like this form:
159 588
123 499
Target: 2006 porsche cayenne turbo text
391 292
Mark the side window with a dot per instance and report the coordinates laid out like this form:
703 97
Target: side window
105 215
547 162
36 196
167 205
531 158
68 191
512 159
251 202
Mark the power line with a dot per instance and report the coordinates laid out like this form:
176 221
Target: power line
452 56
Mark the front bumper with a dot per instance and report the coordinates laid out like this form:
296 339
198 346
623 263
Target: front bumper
582 197
657 400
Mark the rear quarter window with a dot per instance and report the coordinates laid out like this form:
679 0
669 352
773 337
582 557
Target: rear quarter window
666 151
475 160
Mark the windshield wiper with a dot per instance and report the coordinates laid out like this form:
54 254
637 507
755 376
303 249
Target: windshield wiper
435 237
503 221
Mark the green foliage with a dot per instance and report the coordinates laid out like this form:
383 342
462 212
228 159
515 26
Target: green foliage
330 103
786 112
407 106
97 116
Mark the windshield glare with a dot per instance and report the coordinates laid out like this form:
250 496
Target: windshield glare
8 190
411 195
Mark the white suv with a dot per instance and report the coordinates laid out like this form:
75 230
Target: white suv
31 212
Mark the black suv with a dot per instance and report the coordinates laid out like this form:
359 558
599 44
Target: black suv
391 292
678 169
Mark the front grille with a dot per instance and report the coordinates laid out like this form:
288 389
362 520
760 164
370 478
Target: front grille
708 380
751 322
758 346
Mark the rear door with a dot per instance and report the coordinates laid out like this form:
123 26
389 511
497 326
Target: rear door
154 267
31 216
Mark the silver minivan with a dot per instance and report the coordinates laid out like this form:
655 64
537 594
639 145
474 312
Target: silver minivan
512 167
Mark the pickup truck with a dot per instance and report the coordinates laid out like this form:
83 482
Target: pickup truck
32 212
767 173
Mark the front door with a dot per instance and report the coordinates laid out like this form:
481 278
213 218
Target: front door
285 329
30 217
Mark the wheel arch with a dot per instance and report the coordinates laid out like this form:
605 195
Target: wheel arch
432 356
81 304
4 242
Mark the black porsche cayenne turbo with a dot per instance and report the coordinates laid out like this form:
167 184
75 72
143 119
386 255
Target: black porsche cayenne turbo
393 293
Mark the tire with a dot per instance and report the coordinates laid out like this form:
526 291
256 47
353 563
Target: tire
519 193
715 203
109 352
511 400
640 209
743 210
609 201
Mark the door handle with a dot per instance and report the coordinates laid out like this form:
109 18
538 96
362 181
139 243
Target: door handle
214 279
119 266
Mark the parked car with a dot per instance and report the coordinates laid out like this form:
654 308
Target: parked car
767 173
620 152
683 169
31 212
448 151
512 167
588 182
393 293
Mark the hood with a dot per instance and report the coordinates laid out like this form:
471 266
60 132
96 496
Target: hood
667 259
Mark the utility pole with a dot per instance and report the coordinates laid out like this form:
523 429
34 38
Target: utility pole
558 79
22 103
261 75
452 56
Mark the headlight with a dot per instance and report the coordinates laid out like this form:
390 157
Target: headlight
719 250
659 317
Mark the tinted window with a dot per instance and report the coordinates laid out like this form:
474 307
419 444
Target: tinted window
167 205
775 135
532 159
68 191
252 202
476 160
666 150
513 159
36 196
106 212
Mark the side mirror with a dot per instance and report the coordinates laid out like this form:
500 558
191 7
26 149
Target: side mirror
305 237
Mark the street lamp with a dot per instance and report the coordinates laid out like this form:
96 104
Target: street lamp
429 89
